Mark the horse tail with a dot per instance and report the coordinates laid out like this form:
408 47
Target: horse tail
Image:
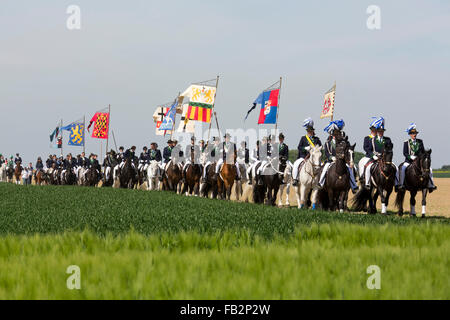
360 200
399 198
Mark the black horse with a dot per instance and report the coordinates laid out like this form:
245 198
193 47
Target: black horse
69 177
383 174
417 178
271 178
128 175
92 177
210 185
110 163
334 193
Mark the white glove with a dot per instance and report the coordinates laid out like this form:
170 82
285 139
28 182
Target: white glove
308 148
375 157
413 157
333 159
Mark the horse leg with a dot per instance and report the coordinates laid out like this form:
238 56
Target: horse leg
424 201
382 193
341 201
412 203
275 193
302 196
298 196
288 190
280 201
331 199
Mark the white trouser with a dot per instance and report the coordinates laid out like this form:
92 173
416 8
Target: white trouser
263 165
63 173
142 165
251 168
367 175
295 168
219 164
107 172
186 164
362 163
207 164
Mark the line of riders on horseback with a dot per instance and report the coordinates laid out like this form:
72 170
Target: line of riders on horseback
322 175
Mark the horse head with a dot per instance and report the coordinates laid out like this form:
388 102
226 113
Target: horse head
341 148
315 156
424 163
350 154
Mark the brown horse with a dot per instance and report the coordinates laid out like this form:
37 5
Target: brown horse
225 182
41 177
18 172
172 177
193 176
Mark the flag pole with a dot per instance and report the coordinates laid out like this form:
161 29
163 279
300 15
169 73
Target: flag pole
114 138
109 124
84 133
61 133
212 111
278 107
217 123
175 115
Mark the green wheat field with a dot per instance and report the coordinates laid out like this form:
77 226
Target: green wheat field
132 244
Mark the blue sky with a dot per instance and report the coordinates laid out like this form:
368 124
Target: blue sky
137 54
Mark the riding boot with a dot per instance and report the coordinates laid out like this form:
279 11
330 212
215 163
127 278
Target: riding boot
160 178
250 178
431 189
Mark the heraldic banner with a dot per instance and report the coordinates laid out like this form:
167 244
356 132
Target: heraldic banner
201 102
76 136
101 123
328 103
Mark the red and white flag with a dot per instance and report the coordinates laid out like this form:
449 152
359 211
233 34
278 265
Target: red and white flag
328 103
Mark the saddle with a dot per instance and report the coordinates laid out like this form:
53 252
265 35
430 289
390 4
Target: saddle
303 162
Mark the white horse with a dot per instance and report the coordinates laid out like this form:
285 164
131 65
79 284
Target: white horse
3 172
308 178
287 179
81 176
153 174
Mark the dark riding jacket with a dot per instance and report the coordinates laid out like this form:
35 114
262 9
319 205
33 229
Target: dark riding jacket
128 154
39 165
379 146
193 149
283 151
67 164
230 155
167 153
367 146
16 160
411 148
144 157
330 150
154 155
302 153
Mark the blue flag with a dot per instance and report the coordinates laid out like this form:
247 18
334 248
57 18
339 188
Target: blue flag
76 136
169 118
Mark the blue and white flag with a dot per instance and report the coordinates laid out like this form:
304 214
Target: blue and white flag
169 117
